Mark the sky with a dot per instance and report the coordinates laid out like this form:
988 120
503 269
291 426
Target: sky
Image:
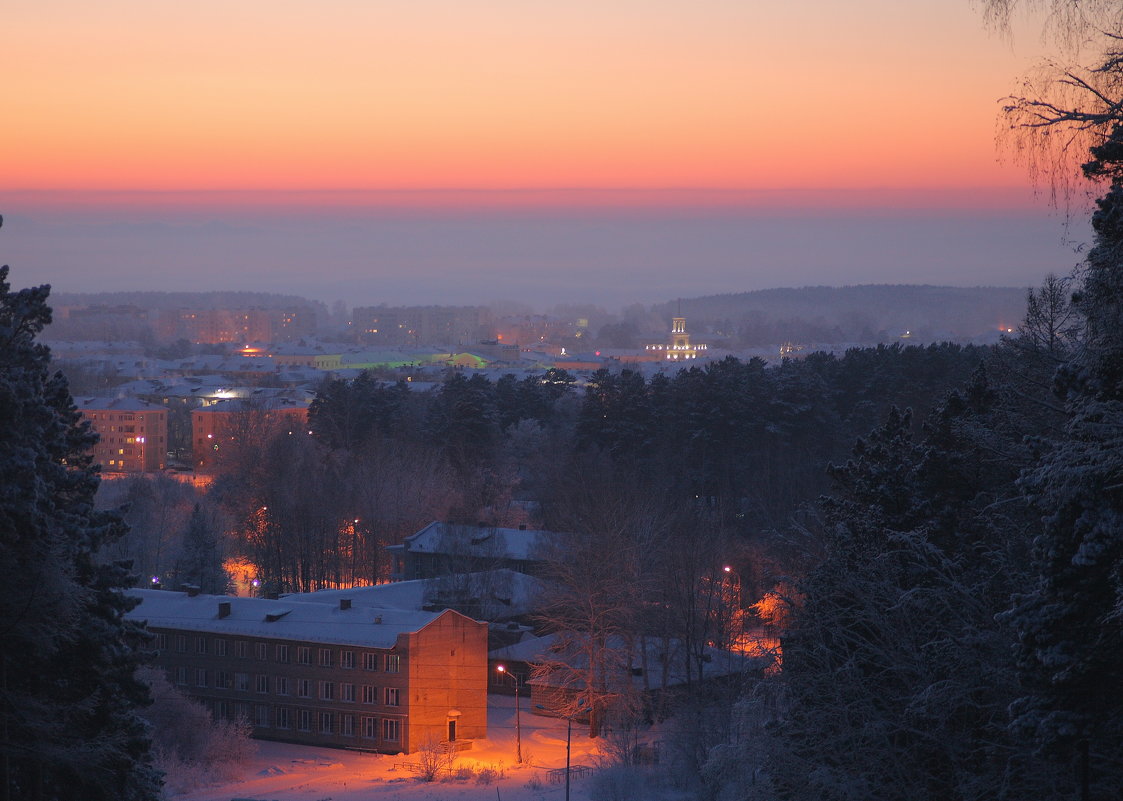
412 151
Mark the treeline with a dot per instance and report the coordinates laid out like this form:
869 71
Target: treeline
748 443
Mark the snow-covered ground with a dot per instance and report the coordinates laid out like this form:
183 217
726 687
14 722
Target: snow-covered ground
284 772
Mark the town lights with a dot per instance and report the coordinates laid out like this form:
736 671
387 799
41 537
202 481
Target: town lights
502 670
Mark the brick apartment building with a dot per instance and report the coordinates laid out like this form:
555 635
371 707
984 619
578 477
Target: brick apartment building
133 433
333 675
221 430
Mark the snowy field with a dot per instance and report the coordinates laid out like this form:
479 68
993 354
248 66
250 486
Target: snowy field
284 772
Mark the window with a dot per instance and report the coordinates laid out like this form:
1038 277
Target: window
200 677
181 644
221 710
261 716
262 651
220 647
262 683
282 685
370 694
325 657
304 688
221 680
304 655
327 722
370 728
327 690
284 719
242 711
370 661
391 729
241 649
282 653
347 659
181 675
200 645
304 720
347 693
161 642
242 682
393 696
393 663
347 725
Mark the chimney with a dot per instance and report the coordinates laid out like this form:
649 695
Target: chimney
522 526
481 524
378 620
191 589
344 603
223 609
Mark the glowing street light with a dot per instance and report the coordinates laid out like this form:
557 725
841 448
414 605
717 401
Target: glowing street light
502 669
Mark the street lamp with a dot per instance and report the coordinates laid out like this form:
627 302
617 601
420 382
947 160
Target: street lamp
518 726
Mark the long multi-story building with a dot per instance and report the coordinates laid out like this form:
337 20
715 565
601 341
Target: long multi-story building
133 434
240 326
325 674
424 325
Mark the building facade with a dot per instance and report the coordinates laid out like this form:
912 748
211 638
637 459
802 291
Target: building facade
133 434
220 432
332 675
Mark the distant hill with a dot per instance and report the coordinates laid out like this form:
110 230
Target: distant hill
860 314
183 300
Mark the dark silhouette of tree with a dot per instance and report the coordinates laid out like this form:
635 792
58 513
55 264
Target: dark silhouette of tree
68 693
1071 621
200 563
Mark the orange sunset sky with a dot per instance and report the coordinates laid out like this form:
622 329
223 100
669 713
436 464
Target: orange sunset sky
667 147
485 94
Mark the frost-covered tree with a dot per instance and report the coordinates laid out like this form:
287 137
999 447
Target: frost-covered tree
1071 622
201 561
897 671
68 693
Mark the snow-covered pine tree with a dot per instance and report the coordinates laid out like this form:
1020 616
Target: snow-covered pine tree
202 558
1071 623
68 693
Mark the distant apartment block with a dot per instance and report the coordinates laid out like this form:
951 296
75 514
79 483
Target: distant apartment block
240 326
221 432
334 675
133 434
422 325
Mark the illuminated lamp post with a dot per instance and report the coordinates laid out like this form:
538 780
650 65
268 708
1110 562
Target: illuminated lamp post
518 726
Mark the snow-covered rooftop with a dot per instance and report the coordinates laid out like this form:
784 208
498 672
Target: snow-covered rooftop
479 541
508 591
286 618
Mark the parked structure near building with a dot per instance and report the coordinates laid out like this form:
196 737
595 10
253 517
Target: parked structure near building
133 434
339 676
441 549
